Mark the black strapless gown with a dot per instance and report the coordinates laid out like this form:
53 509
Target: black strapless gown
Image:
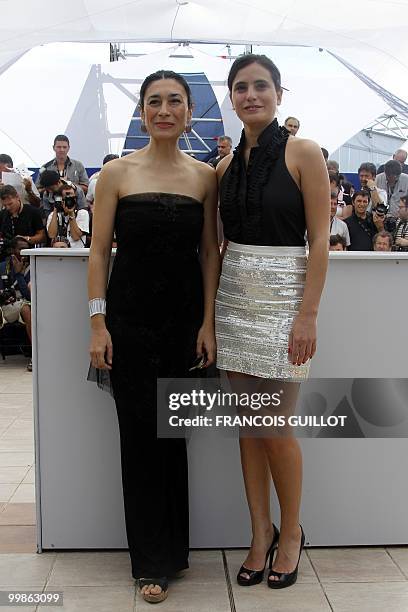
153 313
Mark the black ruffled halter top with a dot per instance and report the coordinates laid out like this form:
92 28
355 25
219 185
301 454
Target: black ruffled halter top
261 204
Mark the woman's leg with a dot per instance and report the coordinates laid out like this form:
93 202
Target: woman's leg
285 462
276 452
257 480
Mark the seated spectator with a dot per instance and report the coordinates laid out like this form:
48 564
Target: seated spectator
90 196
28 192
292 125
337 226
366 175
18 219
400 156
66 220
332 166
382 241
224 146
337 243
52 184
394 183
60 242
401 231
67 168
362 225
15 288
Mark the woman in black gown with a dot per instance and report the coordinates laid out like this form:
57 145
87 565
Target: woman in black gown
159 315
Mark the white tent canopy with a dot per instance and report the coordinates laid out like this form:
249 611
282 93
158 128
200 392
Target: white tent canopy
95 100
333 100
370 34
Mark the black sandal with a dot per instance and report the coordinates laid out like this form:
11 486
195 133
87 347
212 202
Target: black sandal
154 597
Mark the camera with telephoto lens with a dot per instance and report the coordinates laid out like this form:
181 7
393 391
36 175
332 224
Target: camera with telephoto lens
382 209
7 294
389 222
58 203
70 202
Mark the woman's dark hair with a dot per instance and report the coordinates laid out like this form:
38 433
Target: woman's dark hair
165 74
251 58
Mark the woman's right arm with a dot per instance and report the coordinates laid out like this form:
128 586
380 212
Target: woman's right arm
106 197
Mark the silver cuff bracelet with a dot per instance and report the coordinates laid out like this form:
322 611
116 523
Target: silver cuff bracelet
97 306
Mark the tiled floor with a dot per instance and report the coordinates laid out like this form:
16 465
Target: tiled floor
338 579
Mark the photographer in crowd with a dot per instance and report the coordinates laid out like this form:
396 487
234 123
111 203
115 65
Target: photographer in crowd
367 174
363 225
27 191
401 229
66 168
52 183
18 219
395 183
15 288
67 221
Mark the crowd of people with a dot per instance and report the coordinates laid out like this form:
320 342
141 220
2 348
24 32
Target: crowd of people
373 217
56 211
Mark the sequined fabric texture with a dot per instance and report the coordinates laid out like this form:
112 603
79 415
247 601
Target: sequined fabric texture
260 292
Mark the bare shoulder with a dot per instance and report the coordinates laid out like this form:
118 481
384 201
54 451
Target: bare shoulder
223 165
202 168
304 146
204 172
115 171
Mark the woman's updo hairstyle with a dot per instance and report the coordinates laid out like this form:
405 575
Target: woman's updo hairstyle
165 74
251 58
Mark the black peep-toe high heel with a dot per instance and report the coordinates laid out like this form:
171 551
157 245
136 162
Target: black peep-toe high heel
256 576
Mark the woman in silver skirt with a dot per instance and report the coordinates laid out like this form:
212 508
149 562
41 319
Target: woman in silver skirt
272 189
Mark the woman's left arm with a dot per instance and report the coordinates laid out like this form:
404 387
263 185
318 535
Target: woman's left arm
210 265
315 188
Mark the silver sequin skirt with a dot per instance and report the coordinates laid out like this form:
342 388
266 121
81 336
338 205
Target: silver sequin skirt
259 295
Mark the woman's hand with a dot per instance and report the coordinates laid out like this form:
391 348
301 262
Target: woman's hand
101 349
302 339
206 344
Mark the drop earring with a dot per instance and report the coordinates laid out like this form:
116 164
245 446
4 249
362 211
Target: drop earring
188 128
143 128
